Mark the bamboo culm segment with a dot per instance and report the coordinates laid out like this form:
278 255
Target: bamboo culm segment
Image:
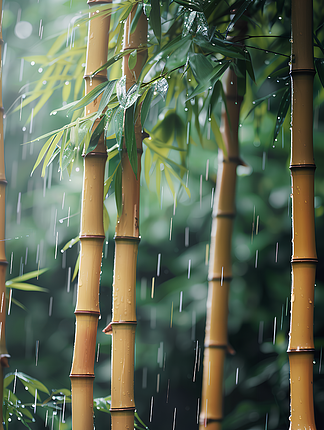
220 267
91 240
304 258
3 261
127 238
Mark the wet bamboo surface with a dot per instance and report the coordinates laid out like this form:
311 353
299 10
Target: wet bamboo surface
91 239
3 261
304 258
126 246
220 265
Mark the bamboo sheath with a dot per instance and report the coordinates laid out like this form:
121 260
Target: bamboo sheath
304 258
91 239
127 238
220 267
3 261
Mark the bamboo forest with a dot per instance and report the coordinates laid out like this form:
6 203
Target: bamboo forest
162 214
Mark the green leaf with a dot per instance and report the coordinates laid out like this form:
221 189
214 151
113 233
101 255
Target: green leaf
76 267
130 140
26 276
132 60
70 243
155 19
102 404
238 13
26 287
262 99
118 190
218 135
216 73
201 67
32 383
42 153
105 98
118 121
96 134
282 111
136 17
146 105
220 46
51 150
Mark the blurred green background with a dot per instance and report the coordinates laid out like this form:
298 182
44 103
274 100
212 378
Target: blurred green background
43 214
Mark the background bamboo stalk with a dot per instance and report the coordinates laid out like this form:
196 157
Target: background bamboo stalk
127 239
304 258
3 261
220 267
91 239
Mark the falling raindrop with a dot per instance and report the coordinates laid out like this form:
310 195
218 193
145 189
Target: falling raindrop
37 351
152 289
174 418
277 250
106 248
274 330
263 160
50 308
63 200
56 243
158 383
236 376
21 71
189 268
198 407
168 391
15 382
9 302
35 401
180 305
26 255
19 208
207 169
256 258
287 306
207 254
200 191
158 269
11 262
40 30
266 422
63 411
195 364
212 197
144 378
160 355
151 409
282 314
186 237
222 276
257 226
31 121
98 347
170 229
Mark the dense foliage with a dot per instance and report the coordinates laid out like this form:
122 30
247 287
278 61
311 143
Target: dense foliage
181 90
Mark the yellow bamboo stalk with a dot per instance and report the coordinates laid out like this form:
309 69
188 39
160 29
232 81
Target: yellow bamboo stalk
220 266
3 261
127 238
304 258
91 239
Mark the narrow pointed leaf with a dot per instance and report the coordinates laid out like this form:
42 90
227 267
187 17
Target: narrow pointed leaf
76 268
96 135
118 190
146 105
70 243
282 111
155 18
130 141
51 150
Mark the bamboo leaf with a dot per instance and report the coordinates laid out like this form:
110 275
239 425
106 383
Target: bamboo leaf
137 15
105 98
132 60
213 77
219 46
262 99
76 267
169 180
26 276
155 18
51 150
70 243
147 166
146 105
130 141
282 111
106 219
201 67
33 383
109 181
238 13
118 190
26 287
172 171
42 153
118 120
96 134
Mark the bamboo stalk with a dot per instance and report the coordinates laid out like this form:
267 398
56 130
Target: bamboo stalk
91 239
3 261
220 266
304 258
127 238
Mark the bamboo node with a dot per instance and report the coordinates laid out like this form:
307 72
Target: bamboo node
3 181
300 349
225 215
92 236
304 260
127 238
311 72
95 154
82 375
302 166
205 421
3 262
4 360
220 278
79 312
91 2
125 409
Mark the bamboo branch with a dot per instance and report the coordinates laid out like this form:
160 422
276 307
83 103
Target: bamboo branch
304 258
91 239
3 261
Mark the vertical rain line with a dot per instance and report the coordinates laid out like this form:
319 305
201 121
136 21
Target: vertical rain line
304 257
91 238
3 261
